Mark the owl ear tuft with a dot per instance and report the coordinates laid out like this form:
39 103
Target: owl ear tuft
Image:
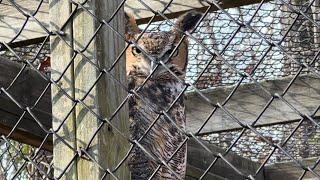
188 21
131 25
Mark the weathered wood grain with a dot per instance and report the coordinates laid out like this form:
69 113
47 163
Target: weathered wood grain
304 94
61 105
249 100
199 160
246 103
142 13
11 20
25 90
108 148
290 170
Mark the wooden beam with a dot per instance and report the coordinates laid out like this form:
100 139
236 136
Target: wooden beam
11 20
26 42
304 94
199 160
143 14
249 100
193 173
105 145
25 90
26 137
246 103
290 170
64 149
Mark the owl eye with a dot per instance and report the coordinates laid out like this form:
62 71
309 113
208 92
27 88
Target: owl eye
136 51
170 52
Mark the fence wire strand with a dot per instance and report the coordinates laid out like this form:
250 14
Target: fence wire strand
228 48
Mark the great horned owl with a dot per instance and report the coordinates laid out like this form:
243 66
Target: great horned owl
155 96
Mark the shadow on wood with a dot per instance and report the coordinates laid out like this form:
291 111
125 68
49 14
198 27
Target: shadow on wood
199 160
245 104
248 100
12 20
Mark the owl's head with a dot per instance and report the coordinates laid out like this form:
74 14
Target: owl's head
154 47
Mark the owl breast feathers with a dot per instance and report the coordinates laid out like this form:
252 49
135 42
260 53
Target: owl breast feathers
159 135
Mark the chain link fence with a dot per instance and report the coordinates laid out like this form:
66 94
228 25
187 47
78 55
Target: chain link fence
228 48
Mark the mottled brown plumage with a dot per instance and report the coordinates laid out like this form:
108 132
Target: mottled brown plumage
162 140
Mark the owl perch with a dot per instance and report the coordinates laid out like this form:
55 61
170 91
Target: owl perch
156 95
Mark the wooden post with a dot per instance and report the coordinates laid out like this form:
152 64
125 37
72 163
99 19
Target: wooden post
110 94
108 148
60 56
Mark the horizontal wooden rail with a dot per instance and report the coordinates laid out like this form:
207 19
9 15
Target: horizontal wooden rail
26 89
12 20
249 100
246 103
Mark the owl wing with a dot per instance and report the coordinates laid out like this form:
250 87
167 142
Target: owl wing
163 139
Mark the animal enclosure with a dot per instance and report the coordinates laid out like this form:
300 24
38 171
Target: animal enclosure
252 88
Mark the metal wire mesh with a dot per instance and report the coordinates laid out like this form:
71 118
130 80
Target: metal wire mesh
246 48
304 144
229 47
